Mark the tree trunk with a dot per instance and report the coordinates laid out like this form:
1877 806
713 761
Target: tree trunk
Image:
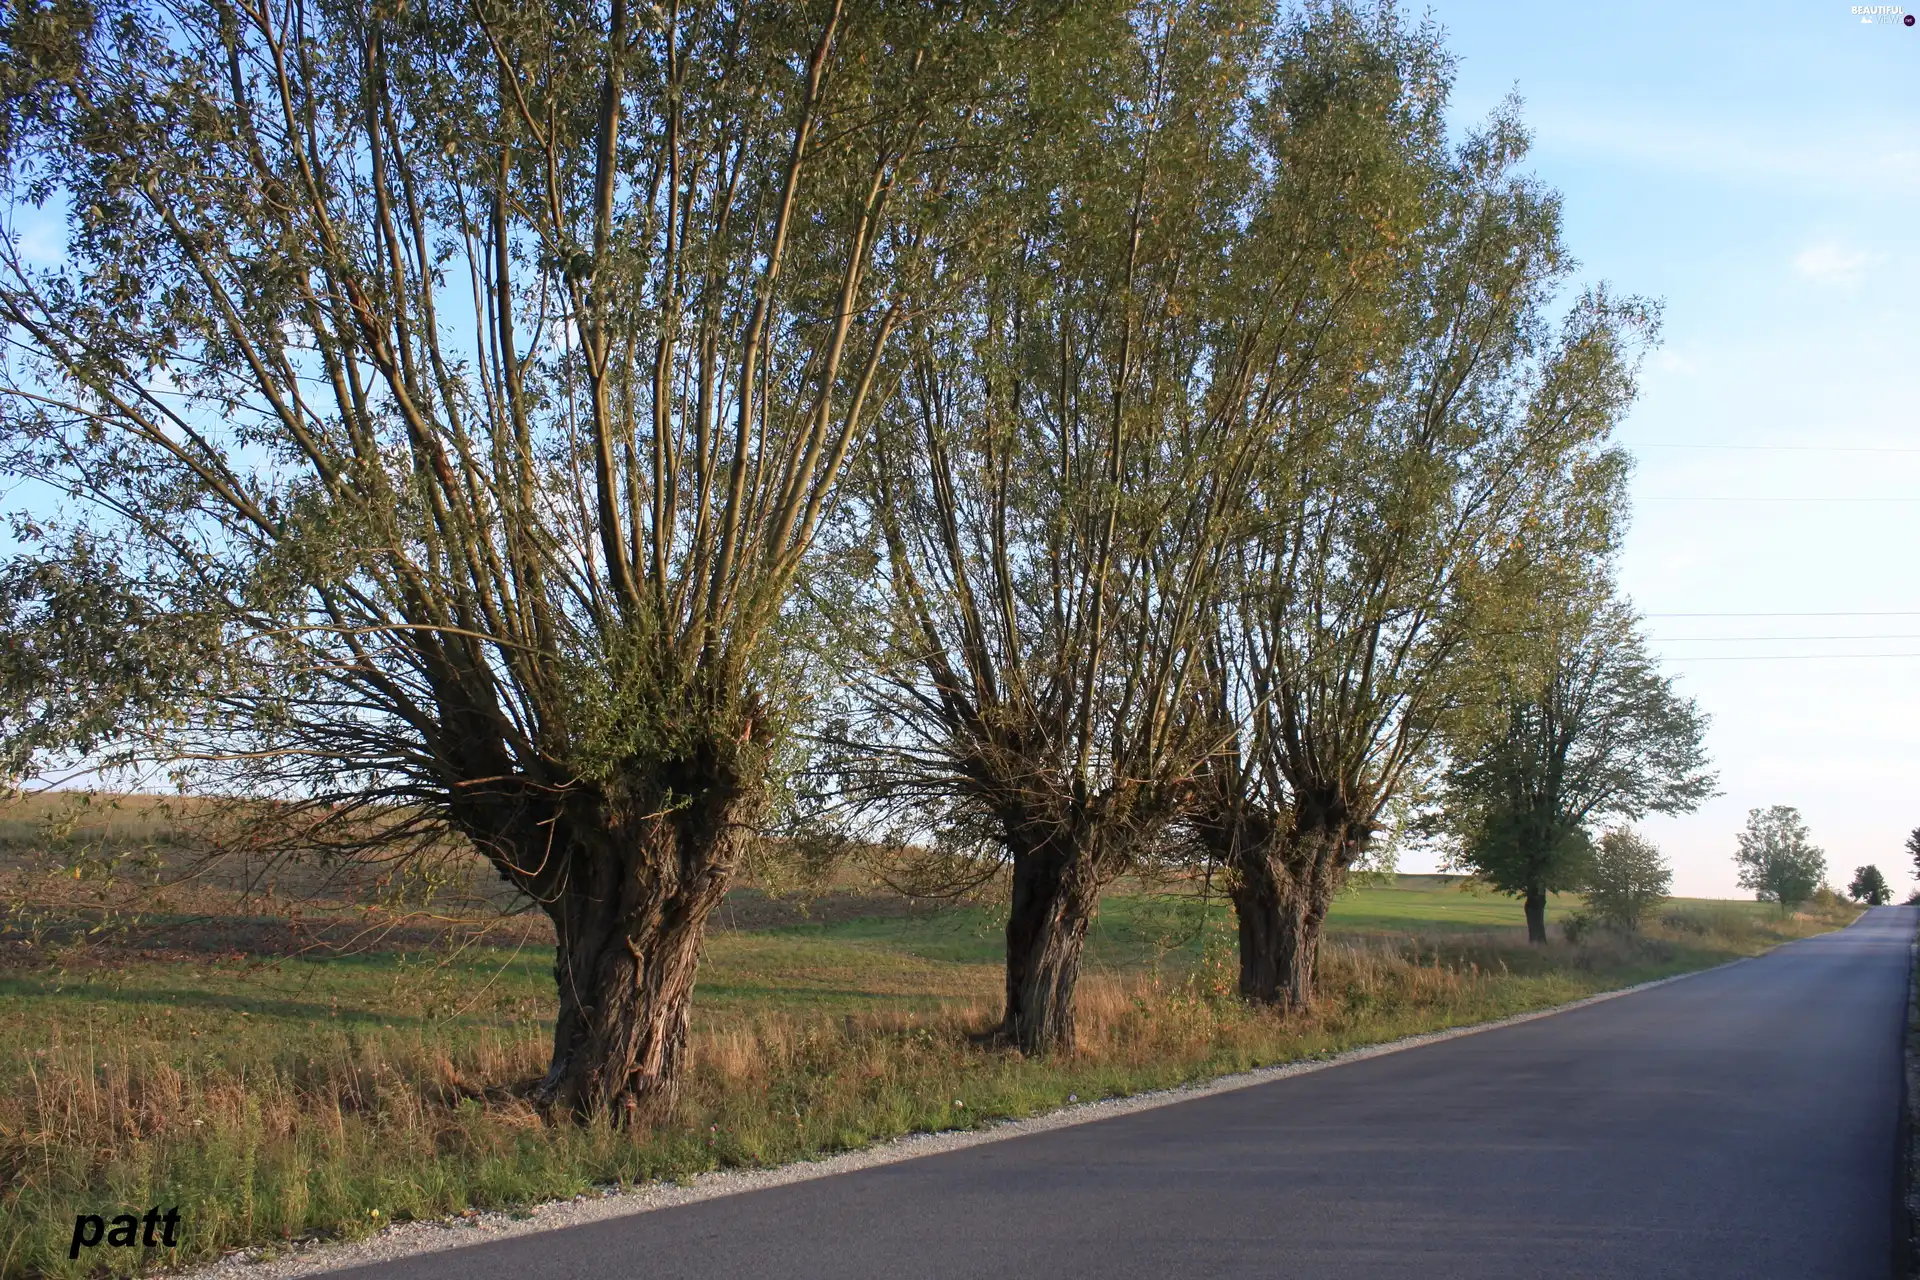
1276 959
629 886
625 972
1283 882
1326 884
1055 890
1536 902
1267 907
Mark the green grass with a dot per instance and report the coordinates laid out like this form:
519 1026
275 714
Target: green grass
1142 929
326 1095
1436 903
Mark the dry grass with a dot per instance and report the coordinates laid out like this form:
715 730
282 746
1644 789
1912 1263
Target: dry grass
347 1129
167 1060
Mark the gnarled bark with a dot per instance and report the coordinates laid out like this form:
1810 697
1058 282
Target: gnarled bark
1276 963
1283 871
629 887
1055 890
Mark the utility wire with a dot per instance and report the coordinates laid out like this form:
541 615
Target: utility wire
1770 639
1787 657
1777 448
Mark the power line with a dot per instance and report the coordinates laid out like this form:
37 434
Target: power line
1778 448
1787 657
1770 639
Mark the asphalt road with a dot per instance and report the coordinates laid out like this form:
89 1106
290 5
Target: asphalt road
1737 1124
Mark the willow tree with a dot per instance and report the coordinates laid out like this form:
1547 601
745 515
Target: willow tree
1051 518
1047 516
1580 728
1353 121
1405 507
468 382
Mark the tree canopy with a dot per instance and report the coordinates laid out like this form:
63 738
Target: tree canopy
466 386
1777 858
1581 727
1056 435
1046 503
1457 448
1870 887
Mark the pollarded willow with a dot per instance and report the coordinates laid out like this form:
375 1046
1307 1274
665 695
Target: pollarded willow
474 379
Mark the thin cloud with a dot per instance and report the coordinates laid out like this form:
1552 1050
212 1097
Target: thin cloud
1796 154
1830 263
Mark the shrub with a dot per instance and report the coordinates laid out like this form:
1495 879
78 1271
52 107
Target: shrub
1628 879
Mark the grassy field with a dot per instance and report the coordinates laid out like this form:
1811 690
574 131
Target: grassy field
280 1078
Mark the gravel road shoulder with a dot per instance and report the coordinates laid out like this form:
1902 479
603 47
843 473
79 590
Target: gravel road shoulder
411 1238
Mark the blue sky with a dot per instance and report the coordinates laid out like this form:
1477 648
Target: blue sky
1756 168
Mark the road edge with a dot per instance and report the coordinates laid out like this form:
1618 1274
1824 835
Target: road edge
1906 1228
412 1239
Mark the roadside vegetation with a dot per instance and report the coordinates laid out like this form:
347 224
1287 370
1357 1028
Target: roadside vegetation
320 1075
965 529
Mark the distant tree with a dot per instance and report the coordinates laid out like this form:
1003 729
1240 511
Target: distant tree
1776 858
1913 849
1628 878
1582 729
1870 887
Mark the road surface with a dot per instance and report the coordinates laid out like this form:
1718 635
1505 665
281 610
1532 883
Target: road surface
1737 1124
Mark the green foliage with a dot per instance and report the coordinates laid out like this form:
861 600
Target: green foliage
450 416
1449 446
1870 887
1626 880
1517 852
1575 726
1578 925
89 660
1031 544
372 375
445 413
1777 859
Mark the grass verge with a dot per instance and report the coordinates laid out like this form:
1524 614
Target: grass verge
302 1098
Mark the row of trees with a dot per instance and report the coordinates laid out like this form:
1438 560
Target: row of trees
1623 876
1778 860
1582 729
1063 437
